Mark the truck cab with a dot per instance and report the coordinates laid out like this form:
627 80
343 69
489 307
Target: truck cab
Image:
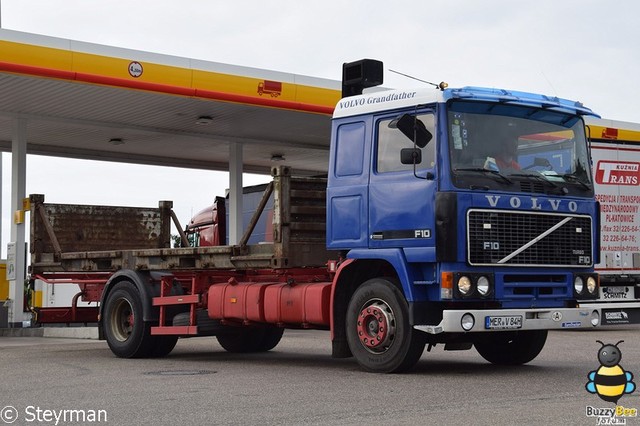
478 204
209 226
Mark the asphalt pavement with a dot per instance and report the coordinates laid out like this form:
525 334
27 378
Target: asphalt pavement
298 383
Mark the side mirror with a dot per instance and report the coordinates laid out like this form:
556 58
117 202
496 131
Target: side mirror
413 128
410 156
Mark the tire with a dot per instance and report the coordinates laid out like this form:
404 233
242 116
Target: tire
127 334
270 339
247 340
162 346
378 330
511 348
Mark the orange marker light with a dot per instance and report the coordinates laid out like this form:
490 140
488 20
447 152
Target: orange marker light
446 285
447 280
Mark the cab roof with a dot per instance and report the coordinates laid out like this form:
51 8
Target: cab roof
384 100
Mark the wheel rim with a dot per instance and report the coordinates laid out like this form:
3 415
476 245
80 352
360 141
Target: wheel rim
376 326
122 319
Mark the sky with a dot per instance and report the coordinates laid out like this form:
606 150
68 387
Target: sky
584 50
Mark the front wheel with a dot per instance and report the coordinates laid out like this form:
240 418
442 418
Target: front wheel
511 347
378 330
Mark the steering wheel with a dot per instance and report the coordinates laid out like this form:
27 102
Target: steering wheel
539 162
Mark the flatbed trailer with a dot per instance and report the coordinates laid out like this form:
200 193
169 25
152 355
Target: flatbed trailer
92 245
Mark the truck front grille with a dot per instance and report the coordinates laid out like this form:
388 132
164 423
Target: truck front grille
498 237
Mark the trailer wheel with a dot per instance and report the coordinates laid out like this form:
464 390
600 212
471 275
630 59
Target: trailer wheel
378 330
126 333
163 345
511 348
246 340
270 338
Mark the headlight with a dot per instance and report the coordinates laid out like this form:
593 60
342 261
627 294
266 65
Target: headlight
592 285
464 285
467 285
578 285
483 285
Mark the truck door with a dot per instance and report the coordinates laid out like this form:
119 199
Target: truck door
401 199
347 198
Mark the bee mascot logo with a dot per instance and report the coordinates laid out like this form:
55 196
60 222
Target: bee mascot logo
610 381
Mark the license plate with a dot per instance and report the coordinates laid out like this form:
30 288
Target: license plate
615 293
503 322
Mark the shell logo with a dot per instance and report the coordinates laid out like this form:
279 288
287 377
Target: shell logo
135 69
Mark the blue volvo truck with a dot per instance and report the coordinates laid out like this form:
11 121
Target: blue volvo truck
449 243
464 217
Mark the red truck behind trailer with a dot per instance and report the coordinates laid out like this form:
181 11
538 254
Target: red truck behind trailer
209 226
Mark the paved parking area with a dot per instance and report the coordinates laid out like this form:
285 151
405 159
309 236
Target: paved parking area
299 383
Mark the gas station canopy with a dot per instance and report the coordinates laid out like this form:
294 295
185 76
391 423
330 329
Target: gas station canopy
91 101
80 100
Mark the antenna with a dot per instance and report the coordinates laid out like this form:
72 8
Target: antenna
440 86
548 81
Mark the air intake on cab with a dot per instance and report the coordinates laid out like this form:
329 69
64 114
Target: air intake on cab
358 75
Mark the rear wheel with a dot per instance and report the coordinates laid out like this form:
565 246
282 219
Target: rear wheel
270 339
127 334
511 347
245 340
378 330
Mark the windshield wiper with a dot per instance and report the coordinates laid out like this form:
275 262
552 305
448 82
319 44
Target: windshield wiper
483 170
563 190
575 179
535 176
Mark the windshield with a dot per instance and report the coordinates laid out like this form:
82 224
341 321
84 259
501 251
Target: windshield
517 148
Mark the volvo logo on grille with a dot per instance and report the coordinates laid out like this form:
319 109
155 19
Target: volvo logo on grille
491 245
533 203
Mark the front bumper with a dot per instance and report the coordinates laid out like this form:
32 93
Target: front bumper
531 319
616 313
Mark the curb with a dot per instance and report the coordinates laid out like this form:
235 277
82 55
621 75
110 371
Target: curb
57 332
